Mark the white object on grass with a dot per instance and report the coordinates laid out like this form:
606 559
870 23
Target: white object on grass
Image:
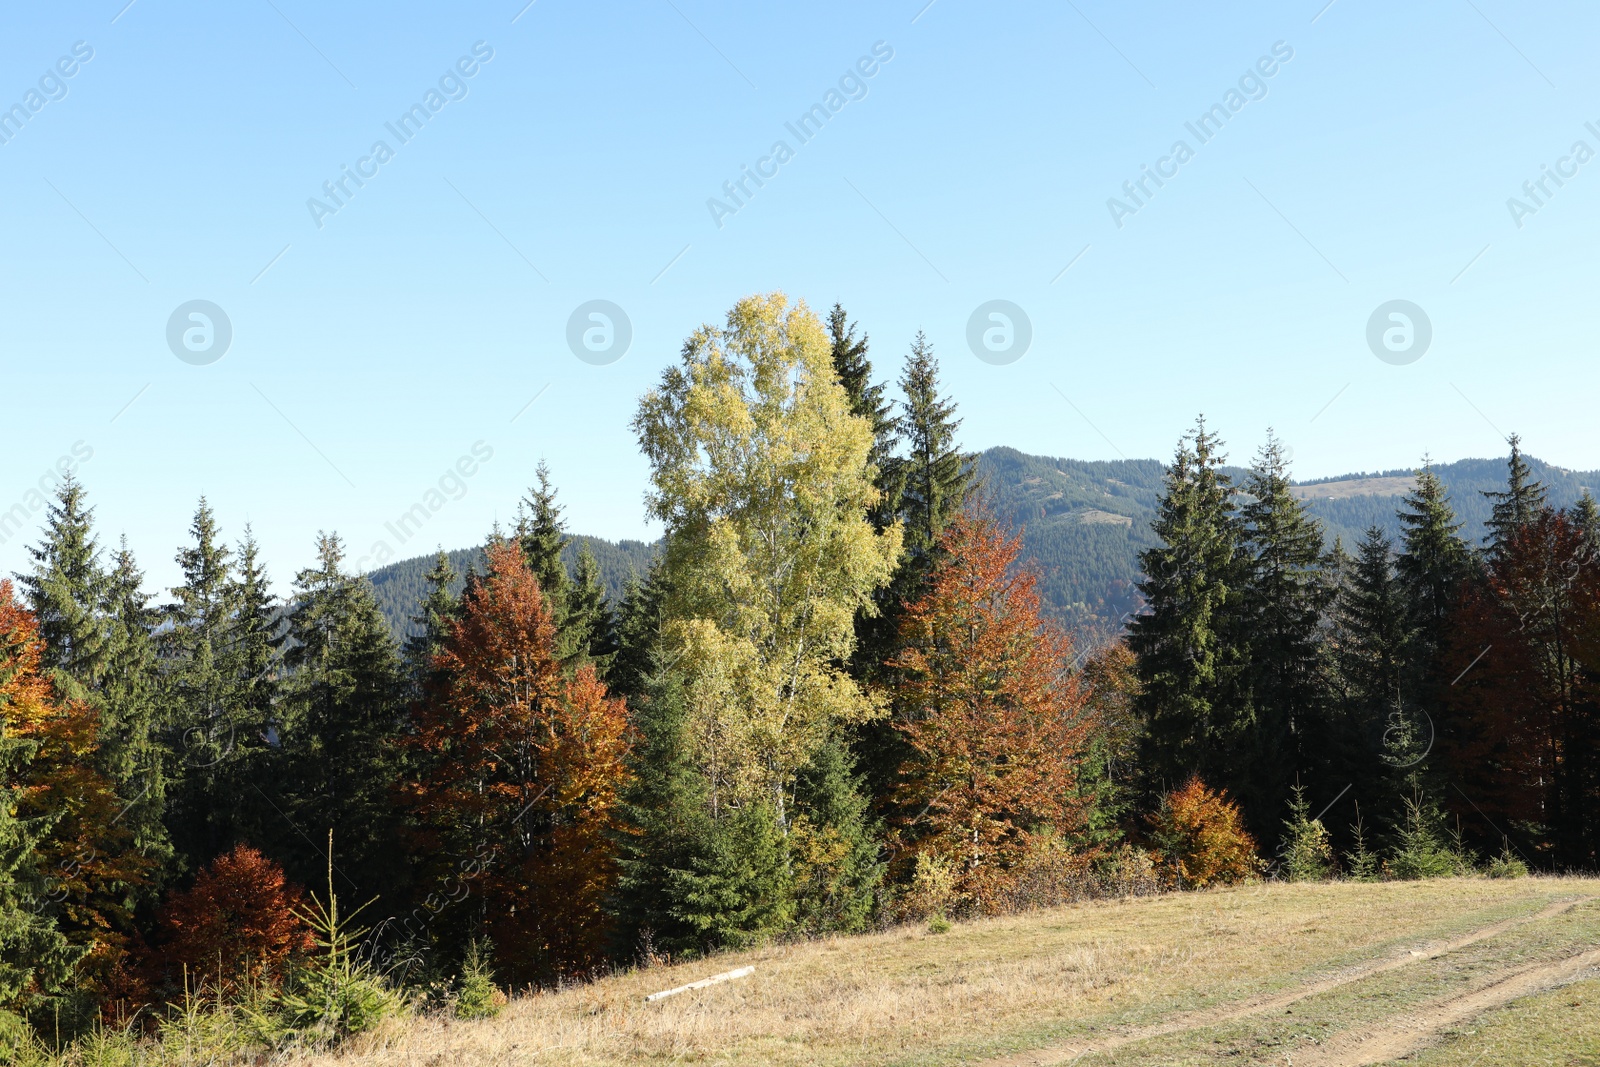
725 976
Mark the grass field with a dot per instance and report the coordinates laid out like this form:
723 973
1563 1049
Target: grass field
1447 973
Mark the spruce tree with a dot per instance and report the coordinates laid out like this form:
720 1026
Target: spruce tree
1191 659
68 585
590 629
542 532
638 631
343 714
838 871
1281 608
432 623
1517 505
938 476
1434 560
867 401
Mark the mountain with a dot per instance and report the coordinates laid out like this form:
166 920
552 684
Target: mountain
1084 524
401 585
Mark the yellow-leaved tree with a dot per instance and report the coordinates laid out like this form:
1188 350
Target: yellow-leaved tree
760 474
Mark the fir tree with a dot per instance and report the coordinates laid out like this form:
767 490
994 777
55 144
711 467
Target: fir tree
343 704
590 629
1517 505
1281 611
432 623
542 533
938 476
867 401
1434 560
67 587
1190 660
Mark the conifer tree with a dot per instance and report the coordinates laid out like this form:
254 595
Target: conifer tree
1191 659
432 623
938 477
343 712
1433 562
638 629
1281 609
834 841
1514 507
543 534
867 401
67 587
36 959
590 629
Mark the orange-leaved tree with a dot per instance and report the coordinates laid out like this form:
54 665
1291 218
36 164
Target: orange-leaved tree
239 924
1200 839
524 768
994 716
87 857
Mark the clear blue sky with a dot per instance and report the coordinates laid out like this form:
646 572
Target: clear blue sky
425 313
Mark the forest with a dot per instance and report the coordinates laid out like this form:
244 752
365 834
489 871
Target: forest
832 701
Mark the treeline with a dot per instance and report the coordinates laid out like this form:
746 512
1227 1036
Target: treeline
832 702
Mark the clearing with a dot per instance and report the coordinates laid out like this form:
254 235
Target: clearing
1445 973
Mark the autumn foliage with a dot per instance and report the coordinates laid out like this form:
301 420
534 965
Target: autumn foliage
239 924
525 765
86 857
995 718
1200 839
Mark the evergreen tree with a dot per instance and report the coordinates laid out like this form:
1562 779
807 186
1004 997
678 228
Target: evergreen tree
638 630
1585 516
1433 562
835 845
543 535
36 960
432 623
938 476
590 629
1281 610
1190 656
867 401
1522 500
343 705
67 587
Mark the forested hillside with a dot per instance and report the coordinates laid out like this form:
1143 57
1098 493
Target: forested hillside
1083 524
403 584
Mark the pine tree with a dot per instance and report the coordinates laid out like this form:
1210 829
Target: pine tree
1517 505
1190 655
1281 610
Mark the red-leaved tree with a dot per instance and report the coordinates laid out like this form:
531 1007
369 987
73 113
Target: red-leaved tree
996 719
240 923
525 765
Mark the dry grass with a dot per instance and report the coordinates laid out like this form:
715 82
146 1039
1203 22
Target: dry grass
981 990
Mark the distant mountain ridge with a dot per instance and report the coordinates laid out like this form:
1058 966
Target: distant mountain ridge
1084 523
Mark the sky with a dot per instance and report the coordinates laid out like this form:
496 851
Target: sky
386 338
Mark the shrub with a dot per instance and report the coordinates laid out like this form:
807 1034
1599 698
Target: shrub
932 889
238 925
1200 839
1130 871
1306 851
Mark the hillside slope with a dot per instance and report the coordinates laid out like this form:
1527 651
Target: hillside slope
1084 524
1456 971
